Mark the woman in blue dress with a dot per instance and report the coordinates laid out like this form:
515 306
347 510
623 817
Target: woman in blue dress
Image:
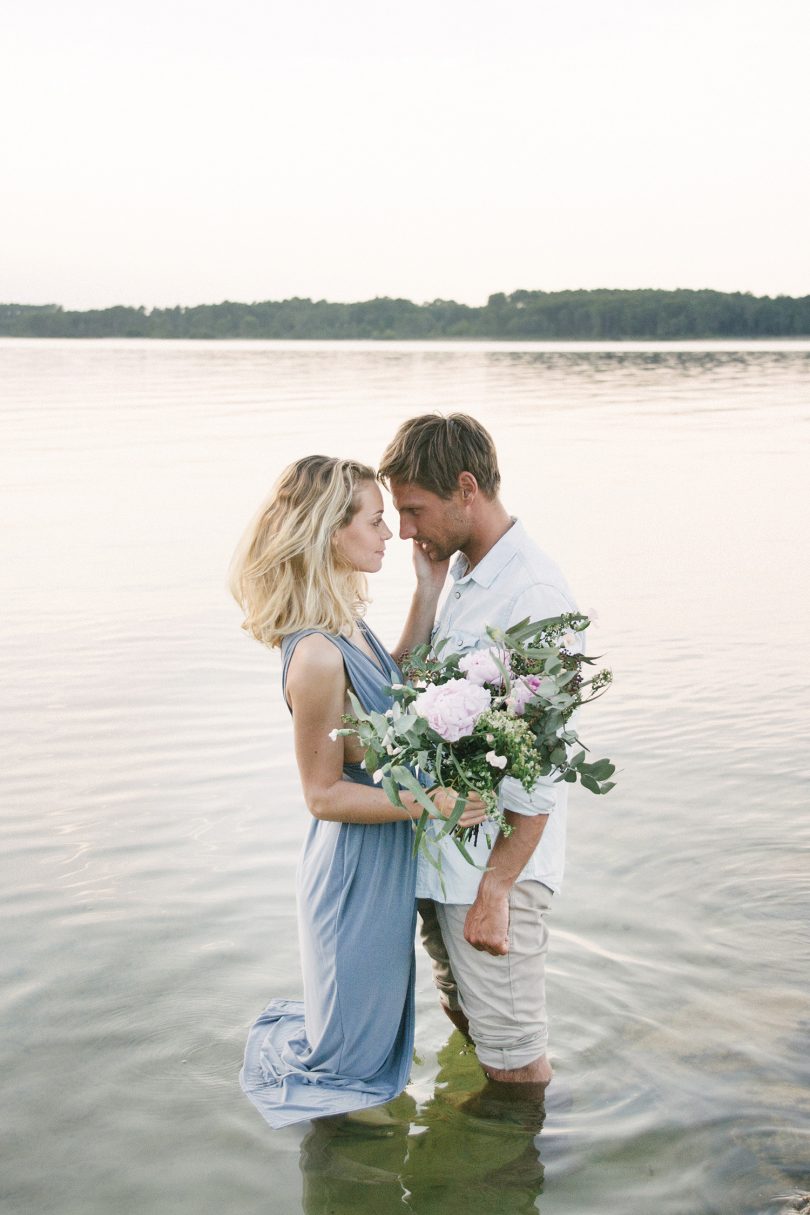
299 576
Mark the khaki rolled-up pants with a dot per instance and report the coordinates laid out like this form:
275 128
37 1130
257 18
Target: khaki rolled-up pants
504 997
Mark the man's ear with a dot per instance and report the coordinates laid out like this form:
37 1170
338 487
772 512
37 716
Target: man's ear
468 486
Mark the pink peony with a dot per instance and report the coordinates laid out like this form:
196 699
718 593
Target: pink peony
452 708
522 691
480 667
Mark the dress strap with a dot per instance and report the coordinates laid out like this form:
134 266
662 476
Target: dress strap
367 677
288 645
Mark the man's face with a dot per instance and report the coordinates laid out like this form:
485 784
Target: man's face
440 525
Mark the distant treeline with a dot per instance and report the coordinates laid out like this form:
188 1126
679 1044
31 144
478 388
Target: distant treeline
539 315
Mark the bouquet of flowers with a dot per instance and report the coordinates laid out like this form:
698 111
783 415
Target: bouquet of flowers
467 721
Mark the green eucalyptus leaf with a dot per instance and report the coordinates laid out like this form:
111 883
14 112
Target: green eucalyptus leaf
600 770
407 778
459 843
451 822
517 632
593 769
419 831
507 679
391 791
359 711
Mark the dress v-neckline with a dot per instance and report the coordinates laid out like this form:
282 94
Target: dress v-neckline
374 662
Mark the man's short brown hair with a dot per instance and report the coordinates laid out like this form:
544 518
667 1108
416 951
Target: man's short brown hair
432 450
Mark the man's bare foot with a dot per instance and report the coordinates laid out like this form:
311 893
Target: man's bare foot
538 1072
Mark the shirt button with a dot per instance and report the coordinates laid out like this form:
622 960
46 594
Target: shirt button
458 594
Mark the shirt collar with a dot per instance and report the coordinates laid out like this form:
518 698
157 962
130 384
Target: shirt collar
491 564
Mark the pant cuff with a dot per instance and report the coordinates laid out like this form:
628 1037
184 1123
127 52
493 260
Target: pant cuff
507 1059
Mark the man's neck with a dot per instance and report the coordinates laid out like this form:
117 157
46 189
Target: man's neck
494 523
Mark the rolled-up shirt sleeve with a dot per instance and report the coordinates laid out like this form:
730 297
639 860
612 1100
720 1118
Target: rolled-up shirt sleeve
541 800
536 602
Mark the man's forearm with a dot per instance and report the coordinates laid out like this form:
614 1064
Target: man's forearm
487 924
510 853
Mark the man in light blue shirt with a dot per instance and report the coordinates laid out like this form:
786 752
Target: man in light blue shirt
486 933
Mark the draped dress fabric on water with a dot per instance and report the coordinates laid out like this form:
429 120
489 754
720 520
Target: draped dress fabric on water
349 1043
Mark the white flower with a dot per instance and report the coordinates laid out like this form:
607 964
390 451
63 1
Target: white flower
333 735
497 761
377 776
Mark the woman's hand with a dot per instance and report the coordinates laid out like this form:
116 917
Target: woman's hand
445 799
429 573
430 579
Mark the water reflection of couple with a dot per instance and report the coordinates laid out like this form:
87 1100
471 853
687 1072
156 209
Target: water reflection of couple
300 577
469 1147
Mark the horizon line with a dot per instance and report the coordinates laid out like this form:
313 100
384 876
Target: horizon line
507 296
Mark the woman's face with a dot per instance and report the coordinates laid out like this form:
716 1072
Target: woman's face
362 542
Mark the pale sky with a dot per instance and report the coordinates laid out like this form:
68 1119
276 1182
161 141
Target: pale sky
178 153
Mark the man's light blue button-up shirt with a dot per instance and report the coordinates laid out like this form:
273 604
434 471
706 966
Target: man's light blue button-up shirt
513 581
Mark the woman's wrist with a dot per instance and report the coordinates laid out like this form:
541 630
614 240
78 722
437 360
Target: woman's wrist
412 807
438 791
427 590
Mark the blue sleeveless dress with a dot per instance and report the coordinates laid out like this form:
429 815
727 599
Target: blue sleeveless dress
349 1044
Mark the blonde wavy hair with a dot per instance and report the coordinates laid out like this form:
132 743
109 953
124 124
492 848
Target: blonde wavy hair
286 573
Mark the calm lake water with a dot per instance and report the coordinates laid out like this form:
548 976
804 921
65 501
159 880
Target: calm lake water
152 816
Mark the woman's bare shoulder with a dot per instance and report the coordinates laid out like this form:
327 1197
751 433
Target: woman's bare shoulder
314 657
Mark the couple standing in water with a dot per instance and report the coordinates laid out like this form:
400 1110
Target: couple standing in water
299 576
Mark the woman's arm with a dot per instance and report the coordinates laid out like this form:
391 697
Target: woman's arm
316 689
430 579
